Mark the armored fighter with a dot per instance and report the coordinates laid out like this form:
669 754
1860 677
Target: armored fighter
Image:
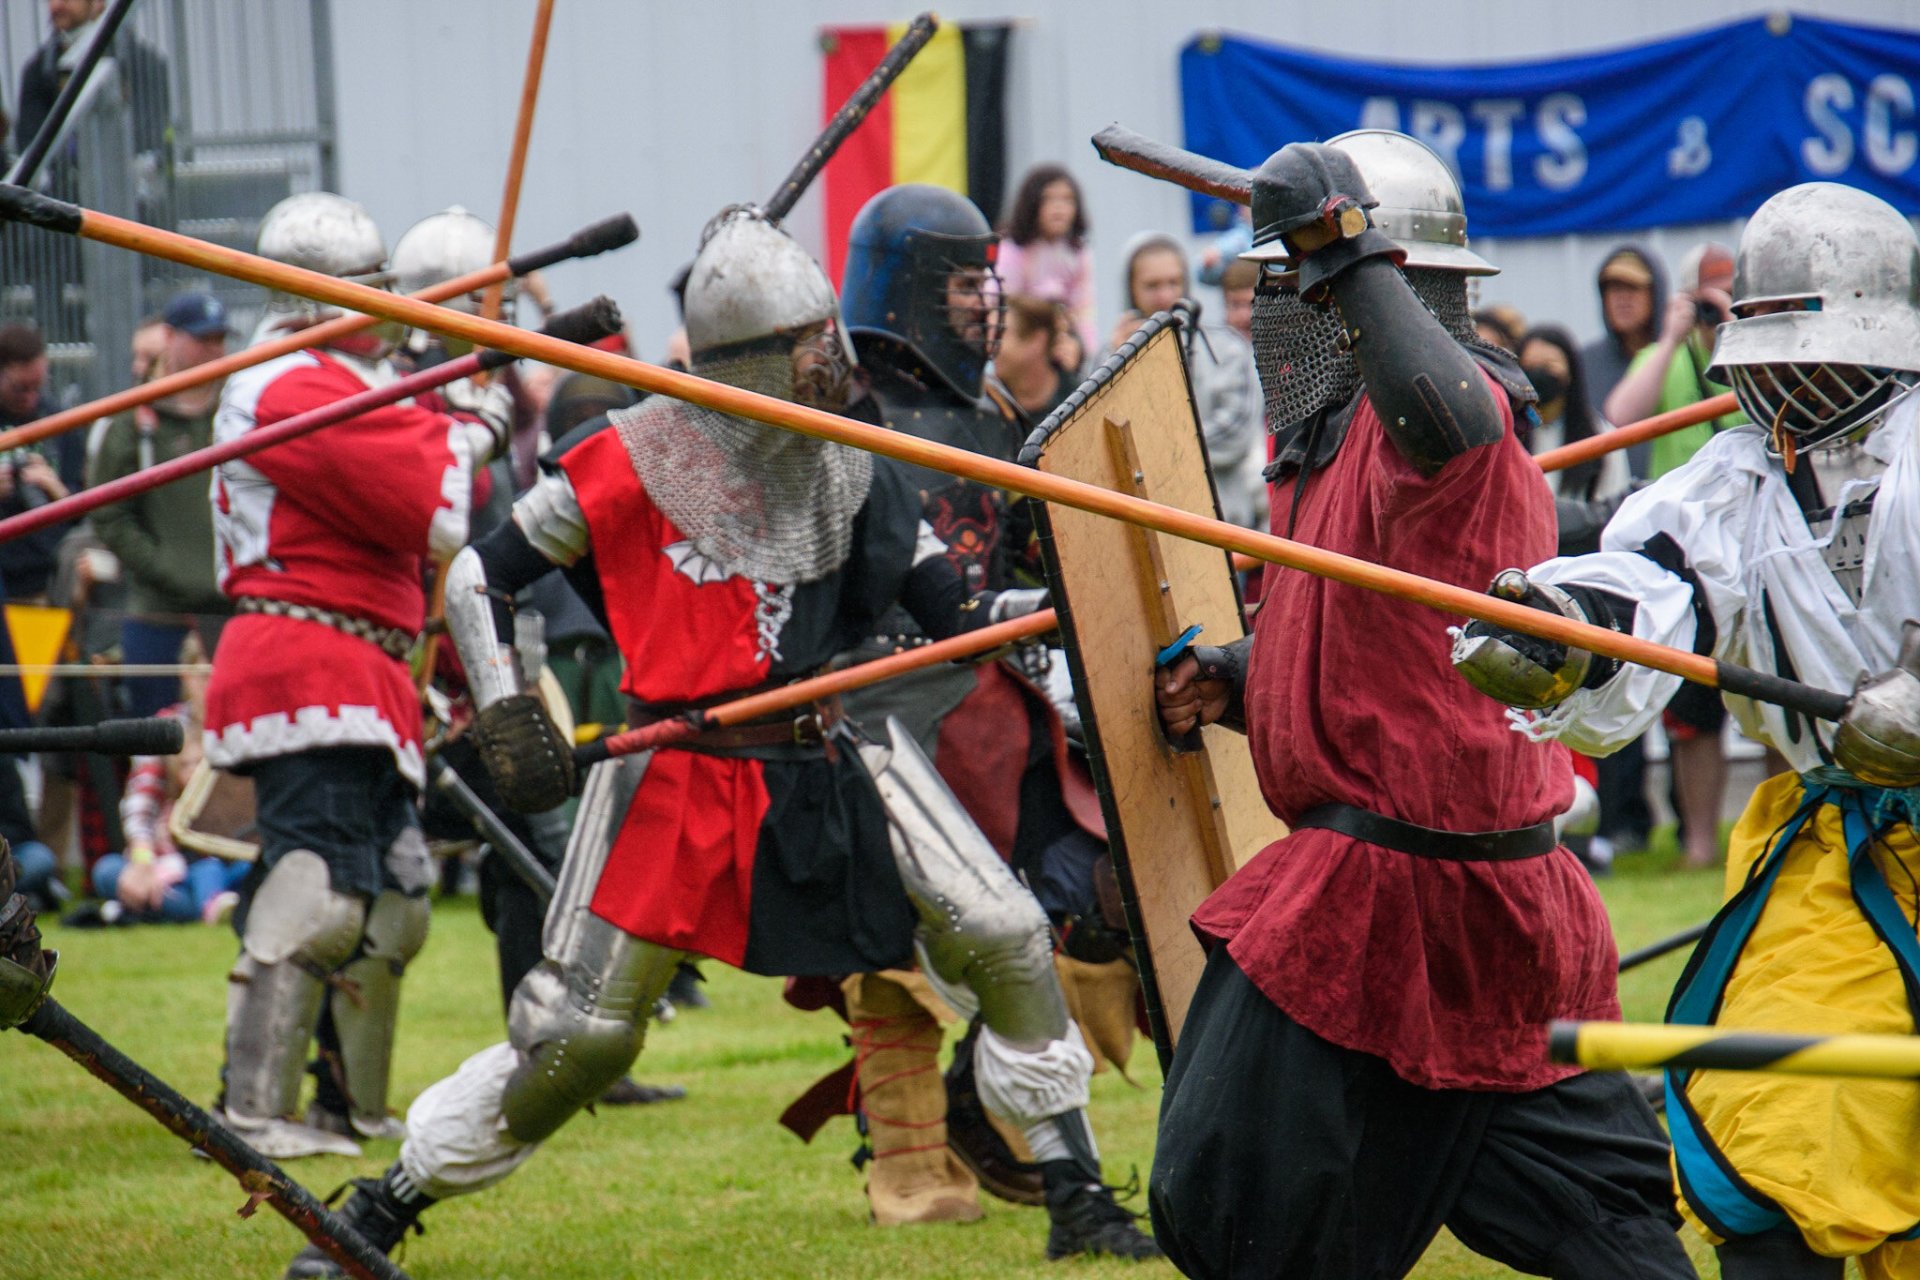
727 556
1791 545
1364 1059
311 695
924 310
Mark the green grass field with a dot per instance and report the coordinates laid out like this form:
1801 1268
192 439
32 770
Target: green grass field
708 1187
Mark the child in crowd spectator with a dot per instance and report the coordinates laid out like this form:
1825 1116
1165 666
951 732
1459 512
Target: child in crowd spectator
1043 247
154 881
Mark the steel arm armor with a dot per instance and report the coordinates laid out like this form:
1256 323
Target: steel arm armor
1429 393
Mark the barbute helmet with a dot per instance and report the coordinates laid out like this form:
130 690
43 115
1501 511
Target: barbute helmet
1826 305
1419 206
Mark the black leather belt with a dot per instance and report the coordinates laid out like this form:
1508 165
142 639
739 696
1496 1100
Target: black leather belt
1425 842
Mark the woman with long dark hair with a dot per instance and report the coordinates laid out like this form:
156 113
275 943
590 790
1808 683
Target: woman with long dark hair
1552 363
1043 246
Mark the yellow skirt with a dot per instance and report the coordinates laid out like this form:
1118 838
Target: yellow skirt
1841 1158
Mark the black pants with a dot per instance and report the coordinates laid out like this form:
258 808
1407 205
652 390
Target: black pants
347 804
1283 1155
1776 1255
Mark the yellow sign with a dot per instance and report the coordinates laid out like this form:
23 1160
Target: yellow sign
39 634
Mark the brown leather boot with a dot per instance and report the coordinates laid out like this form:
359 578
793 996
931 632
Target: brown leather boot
912 1177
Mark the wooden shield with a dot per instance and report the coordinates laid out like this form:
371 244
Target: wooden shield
1179 822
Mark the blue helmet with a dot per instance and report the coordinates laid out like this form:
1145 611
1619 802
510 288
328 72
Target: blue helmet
920 274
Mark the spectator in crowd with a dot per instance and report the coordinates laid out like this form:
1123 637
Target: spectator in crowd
1633 295
1043 247
27 480
1024 363
153 881
1225 249
1237 282
163 538
1500 326
142 71
1552 364
1226 386
1671 374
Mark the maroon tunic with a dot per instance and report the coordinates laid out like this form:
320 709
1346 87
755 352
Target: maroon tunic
1447 970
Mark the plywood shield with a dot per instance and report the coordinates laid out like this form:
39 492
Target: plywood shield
1179 821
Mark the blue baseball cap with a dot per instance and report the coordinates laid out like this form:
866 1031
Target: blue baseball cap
200 314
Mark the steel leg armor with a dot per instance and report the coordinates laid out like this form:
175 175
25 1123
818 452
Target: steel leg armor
298 931
578 1019
979 926
366 1009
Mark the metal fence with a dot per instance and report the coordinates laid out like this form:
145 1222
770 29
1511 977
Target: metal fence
208 113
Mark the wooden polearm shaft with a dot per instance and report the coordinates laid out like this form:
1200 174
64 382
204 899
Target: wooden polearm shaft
26 206
1631 1046
585 324
607 234
858 106
1660 424
490 302
262 1179
791 697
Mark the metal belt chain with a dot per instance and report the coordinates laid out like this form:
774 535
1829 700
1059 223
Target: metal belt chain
391 641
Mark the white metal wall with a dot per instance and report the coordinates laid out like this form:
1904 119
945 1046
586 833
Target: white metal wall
672 110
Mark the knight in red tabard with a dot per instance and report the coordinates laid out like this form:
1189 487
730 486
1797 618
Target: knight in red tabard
1364 1060
322 544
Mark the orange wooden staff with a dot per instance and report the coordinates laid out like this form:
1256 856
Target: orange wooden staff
517 157
25 206
1659 424
607 234
791 697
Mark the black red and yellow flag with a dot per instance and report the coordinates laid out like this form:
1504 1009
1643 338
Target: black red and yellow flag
942 122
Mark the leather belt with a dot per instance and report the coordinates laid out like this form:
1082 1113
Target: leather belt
1425 842
391 641
800 736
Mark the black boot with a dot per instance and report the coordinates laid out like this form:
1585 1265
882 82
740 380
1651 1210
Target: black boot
972 1137
1087 1219
684 991
380 1209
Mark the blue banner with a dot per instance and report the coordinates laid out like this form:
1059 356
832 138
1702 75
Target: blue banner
1692 129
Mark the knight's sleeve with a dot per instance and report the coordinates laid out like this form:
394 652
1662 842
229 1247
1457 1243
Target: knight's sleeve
1429 393
1675 551
548 531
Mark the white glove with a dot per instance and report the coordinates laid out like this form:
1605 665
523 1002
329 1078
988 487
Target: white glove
492 405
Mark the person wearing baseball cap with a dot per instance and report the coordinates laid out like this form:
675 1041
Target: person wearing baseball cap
164 537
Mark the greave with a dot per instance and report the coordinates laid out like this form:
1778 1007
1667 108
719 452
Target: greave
366 1004
298 931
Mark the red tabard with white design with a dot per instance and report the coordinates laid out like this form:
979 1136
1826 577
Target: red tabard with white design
344 518
681 870
1448 970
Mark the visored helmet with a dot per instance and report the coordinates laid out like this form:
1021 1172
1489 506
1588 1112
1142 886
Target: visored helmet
1826 305
920 272
761 312
1420 207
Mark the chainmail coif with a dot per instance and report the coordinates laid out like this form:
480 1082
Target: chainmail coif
1296 344
757 501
